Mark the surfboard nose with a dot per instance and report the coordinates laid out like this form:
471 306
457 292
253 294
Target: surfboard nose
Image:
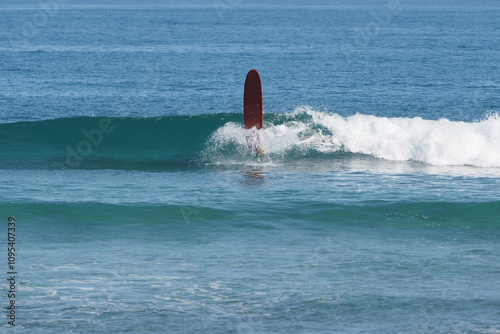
252 101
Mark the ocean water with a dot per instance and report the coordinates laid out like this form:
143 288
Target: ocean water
139 208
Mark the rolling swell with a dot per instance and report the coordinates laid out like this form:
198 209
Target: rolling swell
424 214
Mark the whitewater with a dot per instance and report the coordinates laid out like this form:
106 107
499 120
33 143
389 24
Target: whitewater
435 142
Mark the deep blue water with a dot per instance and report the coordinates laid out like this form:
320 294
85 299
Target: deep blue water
139 207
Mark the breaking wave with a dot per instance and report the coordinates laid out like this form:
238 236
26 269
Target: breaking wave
220 139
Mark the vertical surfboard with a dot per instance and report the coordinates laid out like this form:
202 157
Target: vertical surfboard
252 101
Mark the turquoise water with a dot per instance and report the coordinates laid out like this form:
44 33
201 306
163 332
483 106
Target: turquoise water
139 207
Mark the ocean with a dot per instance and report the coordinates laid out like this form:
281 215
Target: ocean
131 203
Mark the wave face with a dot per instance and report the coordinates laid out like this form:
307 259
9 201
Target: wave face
95 142
220 139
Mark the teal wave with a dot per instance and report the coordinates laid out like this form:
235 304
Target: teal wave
95 142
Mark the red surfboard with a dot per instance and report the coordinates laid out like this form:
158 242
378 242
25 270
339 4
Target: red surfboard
253 113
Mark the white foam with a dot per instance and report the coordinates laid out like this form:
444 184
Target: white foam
440 142
435 142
